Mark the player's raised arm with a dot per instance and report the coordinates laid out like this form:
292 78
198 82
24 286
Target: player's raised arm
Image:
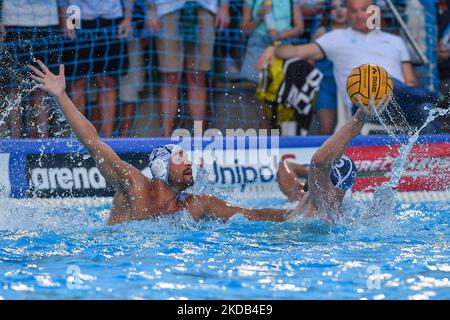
335 145
108 162
322 160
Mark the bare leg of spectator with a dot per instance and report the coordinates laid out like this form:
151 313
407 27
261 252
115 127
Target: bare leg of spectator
96 116
80 101
197 95
126 119
327 118
79 95
264 121
39 116
15 120
132 83
107 97
169 101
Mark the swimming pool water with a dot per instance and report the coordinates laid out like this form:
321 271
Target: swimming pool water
69 253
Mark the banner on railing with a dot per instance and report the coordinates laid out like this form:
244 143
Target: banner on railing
63 169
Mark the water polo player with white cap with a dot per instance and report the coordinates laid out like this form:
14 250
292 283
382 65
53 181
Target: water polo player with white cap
169 164
137 197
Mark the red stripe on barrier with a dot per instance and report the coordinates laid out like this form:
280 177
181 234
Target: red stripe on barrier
427 168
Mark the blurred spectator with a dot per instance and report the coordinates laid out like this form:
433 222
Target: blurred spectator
444 47
230 45
326 104
133 82
288 23
357 45
415 22
313 11
99 51
30 30
193 54
312 7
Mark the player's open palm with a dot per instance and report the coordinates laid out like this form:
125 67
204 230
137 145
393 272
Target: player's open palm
54 84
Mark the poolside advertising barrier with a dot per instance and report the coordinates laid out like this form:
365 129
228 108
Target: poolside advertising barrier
62 168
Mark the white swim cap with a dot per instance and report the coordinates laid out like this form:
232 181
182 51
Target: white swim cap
160 158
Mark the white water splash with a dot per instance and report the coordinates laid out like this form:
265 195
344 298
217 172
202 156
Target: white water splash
380 211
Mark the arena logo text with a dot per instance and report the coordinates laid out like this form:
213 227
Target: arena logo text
67 179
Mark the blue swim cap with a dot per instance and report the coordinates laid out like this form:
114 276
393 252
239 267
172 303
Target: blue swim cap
343 173
160 158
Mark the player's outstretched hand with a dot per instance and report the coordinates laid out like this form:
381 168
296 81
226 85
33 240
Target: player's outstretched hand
54 84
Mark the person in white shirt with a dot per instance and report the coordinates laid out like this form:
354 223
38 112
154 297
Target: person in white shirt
349 48
288 23
358 44
29 29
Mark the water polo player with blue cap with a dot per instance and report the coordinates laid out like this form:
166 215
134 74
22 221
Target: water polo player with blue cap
343 174
329 176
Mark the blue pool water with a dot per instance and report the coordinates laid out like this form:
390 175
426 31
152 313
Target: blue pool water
69 253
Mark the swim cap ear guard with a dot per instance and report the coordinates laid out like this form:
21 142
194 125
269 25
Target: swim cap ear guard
159 169
342 175
160 158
